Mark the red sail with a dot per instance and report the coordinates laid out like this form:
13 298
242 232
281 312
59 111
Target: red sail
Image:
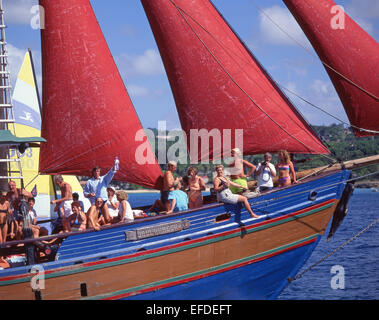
87 116
350 56
218 84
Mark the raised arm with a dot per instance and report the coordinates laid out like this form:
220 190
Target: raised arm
109 176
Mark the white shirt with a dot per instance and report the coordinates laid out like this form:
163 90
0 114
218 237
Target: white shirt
265 177
129 212
113 212
32 214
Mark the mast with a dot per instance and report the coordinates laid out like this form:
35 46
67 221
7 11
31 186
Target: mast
35 80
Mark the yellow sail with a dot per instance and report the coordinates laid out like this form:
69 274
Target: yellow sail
28 124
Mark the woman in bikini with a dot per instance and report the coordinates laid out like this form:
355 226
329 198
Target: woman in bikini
78 215
221 186
196 185
4 211
285 167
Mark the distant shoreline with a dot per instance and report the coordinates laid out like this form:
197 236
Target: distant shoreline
367 184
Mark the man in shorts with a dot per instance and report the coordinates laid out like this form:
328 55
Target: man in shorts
63 205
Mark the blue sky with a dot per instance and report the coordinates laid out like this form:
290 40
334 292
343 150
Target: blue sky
132 44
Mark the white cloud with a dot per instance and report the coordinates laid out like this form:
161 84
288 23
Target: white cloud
15 59
149 63
137 91
283 18
18 11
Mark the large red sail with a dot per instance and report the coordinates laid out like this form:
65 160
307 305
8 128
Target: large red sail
218 84
350 56
87 116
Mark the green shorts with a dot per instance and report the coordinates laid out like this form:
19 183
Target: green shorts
242 182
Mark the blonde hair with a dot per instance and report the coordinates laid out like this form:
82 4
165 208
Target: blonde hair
286 156
237 151
172 163
58 178
219 166
122 195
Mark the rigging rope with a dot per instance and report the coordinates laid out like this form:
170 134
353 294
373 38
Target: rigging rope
326 112
326 65
312 54
181 11
334 251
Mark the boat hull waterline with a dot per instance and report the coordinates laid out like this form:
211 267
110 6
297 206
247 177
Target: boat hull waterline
236 258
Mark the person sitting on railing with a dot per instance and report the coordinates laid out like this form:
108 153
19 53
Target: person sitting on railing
93 214
79 216
179 199
126 213
113 204
75 197
32 216
221 186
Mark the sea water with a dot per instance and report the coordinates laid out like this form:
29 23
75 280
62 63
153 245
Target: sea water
351 272
356 265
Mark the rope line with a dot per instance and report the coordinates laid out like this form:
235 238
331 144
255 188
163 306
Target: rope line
334 251
181 11
326 112
313 55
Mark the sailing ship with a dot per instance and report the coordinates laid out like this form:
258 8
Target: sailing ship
201 253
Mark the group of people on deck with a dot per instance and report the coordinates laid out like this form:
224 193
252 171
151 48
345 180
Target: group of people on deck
181 193
111 206
11 219
107 205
